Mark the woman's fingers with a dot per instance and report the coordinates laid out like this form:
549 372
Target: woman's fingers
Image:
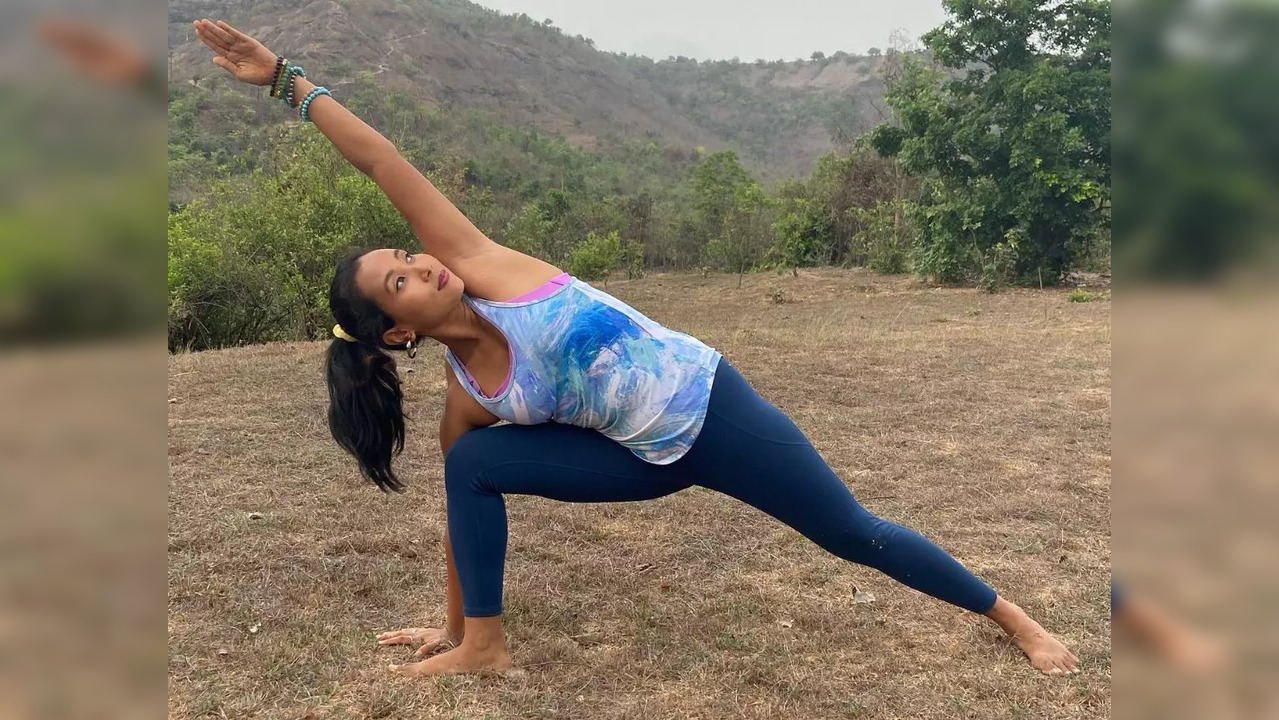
222 36
208 38
432 647
399 637
436 642
239 36
202 29
432 641
224 64
210 43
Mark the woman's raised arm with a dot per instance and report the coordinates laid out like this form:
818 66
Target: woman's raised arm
444 230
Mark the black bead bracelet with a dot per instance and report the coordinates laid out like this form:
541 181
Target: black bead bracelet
275 77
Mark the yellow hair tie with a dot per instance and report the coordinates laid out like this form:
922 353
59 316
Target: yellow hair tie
340 333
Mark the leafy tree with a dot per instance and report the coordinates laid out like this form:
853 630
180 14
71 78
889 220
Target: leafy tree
1015 137
746 232
596 256
885 235
801 235
818 223
718 183
632 259
251 261
529 232
638 218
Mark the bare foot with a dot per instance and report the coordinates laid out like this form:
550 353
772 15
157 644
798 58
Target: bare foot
461 660
1046 652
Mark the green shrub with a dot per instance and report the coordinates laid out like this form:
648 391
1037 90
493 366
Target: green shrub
1081 295
252 261
885 235
997 269
596 256
633 259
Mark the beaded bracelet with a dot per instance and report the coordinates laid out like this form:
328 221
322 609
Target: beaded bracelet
279 65
311 96
291 84
286 82
281 75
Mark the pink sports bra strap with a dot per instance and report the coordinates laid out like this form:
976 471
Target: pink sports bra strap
547 288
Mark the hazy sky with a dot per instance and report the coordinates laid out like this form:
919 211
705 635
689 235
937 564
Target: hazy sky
721 29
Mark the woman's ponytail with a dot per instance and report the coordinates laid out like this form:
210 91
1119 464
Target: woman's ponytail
366 405
366 408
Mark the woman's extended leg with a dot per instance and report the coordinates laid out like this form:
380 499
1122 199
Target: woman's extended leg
750 450
559 462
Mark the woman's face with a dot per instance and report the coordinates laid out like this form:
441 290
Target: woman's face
415 289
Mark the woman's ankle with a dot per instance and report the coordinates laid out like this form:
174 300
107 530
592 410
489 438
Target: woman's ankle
484 634
1005 614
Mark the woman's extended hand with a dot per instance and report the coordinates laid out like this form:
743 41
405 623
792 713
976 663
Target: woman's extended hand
431 639
245 58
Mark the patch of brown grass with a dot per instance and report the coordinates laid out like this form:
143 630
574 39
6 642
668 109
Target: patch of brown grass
981 420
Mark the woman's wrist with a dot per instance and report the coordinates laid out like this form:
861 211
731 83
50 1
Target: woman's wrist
301 88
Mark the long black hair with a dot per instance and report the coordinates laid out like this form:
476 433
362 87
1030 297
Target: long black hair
366 405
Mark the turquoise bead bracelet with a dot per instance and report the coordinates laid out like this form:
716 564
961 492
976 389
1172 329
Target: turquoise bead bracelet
293 73
311 96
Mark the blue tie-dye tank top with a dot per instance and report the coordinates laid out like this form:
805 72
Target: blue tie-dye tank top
581 357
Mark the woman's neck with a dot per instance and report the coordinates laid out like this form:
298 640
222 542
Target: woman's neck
467 334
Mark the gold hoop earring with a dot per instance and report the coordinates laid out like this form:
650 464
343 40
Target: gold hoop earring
411 350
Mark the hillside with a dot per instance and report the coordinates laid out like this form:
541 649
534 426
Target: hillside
456 55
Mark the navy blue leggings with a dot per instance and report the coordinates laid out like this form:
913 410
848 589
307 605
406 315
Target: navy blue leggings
747 449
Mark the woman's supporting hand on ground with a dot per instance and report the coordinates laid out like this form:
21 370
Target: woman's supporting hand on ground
245 58
431 639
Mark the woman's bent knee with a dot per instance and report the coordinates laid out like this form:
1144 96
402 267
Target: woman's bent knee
467 459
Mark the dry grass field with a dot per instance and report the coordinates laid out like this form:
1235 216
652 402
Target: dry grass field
981 420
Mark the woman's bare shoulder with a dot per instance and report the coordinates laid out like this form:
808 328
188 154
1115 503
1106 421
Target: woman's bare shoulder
499 273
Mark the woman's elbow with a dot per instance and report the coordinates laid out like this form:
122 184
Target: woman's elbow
382 165
375 167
